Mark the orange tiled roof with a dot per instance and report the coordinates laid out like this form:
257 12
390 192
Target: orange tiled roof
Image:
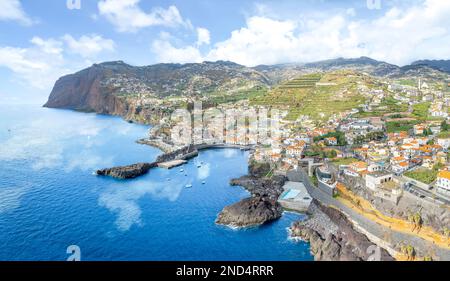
359 164
444 174
398 158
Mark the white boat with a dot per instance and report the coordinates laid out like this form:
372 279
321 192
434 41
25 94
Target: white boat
181 170
188 185
203 182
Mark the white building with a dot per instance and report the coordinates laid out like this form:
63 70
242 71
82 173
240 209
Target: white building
375 180
443 182
444 142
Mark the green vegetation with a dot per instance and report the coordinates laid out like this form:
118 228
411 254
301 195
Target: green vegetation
317 151
340 136
306 81
420 110
255 93
399 126
314 180
407 82
408 251
424 175
444 134
444 126
372 136
301 96
344 161
393 105
388 105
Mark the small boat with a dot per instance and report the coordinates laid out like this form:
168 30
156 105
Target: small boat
203 182
181 170
185 175
188 185
199 165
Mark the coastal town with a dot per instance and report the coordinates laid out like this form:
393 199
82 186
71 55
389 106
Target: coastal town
362 148
373 158
396 162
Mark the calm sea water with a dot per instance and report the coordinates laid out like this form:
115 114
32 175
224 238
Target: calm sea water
49 198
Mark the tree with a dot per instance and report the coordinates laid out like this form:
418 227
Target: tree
418 221
408 251
427 258
444 126
333 154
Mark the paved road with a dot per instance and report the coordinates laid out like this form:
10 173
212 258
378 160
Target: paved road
372 227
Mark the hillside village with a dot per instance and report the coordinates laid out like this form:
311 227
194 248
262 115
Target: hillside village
373 138
392 150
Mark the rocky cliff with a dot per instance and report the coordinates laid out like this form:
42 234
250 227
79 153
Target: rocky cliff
121 89
85 91
333 237
250 211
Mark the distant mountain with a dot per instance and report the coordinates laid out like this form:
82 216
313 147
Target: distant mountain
116 87
442 65
104 87
369 65
343 62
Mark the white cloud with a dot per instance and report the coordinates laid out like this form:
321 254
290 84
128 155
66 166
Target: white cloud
50 46
166 52
203 36
89 45
125 201
10 198
204 171
11 10
45 60
38 65
127 16
398 36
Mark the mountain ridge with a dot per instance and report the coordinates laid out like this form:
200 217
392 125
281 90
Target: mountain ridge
113 87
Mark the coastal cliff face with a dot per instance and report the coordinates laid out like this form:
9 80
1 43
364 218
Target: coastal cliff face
262 206
84 91
249 212
136 93
333 237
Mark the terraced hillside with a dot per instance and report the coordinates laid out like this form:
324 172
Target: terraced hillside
318 96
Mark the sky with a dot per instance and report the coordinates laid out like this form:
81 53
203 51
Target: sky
43 40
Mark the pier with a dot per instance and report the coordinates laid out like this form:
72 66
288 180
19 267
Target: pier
171 164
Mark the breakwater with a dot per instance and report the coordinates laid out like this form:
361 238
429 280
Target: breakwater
184 153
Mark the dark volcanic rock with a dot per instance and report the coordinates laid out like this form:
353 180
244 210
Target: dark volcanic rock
258 169
258 209
343 244
183 153
127 172
249 212
271 188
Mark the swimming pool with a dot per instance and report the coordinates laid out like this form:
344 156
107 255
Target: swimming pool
291 194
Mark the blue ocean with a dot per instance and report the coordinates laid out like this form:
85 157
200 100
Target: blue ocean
50 199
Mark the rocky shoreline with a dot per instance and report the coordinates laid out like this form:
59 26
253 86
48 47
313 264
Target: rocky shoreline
262 206
127 172
333 237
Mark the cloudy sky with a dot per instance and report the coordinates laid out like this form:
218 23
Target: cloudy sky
42 40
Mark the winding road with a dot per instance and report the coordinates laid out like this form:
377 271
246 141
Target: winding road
388 235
